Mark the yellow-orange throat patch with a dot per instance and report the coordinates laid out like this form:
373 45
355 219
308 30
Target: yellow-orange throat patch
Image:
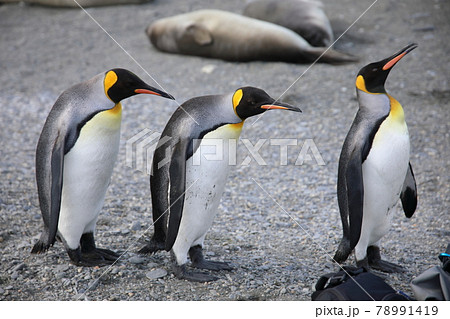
396 113
116 110
237 126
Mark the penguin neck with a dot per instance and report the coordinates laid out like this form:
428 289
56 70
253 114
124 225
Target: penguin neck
396 113
377 105
110 119
237 126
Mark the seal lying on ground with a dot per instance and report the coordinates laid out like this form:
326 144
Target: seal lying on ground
305 17
83 3
232 37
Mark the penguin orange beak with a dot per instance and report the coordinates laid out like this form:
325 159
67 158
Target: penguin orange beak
397 57
154 91
280 106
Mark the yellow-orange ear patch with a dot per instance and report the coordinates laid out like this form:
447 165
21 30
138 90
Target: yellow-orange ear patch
361 84
110 79
237 97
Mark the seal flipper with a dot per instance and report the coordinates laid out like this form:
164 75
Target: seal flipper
408 195
330 56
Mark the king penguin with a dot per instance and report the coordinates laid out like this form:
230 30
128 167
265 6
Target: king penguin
75 158
374 169
186 187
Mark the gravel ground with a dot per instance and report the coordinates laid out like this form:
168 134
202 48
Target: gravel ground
279 224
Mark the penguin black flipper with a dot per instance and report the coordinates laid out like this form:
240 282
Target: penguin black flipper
50 194
408 195
57 167
177 178
355 195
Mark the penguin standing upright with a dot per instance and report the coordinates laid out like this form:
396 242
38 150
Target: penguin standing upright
186 188
374 169
75 158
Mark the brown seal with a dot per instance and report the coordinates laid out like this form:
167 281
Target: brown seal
232 37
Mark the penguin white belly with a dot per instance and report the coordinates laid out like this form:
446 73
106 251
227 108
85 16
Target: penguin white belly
384 172
206 175
87 172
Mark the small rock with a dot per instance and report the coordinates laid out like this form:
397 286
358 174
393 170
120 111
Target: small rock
208 69
59 275
115 270
136 260
14 275
136 226
19 267
62 268
155 274
152 265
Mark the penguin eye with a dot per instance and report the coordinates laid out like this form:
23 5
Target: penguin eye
374 69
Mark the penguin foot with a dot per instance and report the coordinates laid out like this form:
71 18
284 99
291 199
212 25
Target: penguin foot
88 255
375 261
363 263
198 261
182 273
151 247
212 265
97 257
386 266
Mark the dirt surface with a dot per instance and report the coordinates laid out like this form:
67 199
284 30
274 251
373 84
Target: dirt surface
278 224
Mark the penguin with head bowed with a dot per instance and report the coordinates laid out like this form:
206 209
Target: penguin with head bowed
374 169
186 187
75 158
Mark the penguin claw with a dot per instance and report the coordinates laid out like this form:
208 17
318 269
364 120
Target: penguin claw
196 276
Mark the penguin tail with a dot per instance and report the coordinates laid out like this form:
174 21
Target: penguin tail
332 56
343 250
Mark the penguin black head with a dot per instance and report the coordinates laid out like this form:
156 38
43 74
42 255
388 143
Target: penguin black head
372 77
249 101
120 84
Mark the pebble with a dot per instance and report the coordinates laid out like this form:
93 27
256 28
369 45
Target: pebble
208 69
155 274
19 267
136 260
136 226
